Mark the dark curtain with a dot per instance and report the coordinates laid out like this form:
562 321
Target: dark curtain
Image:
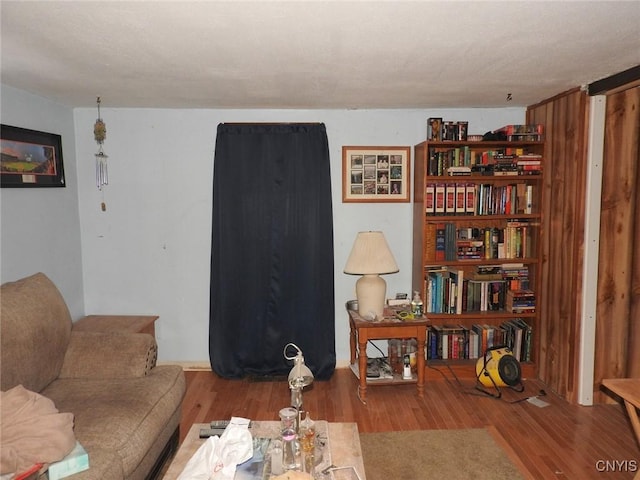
272 250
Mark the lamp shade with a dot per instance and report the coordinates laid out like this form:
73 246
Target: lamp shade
370 255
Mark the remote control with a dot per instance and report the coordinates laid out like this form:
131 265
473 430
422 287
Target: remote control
220 424
210 432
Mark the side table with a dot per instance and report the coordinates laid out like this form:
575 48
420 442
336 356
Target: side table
629 390
117 323
361 331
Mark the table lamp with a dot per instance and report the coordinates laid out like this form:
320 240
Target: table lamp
299 377
371 257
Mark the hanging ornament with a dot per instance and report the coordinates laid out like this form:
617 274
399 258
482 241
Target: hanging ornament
100 134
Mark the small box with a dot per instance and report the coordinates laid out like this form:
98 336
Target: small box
76 461
434 129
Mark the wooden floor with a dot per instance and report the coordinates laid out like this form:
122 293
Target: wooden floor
560 441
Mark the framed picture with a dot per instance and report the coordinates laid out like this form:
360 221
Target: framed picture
376 174
30 158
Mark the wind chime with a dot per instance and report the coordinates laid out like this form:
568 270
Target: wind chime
102 173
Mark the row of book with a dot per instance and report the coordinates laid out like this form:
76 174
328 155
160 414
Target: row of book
533 132
464 160
469 198
449 291
520 301
458 342
439 130
448 242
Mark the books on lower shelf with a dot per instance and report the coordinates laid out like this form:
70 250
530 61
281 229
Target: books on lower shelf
459 342
451 290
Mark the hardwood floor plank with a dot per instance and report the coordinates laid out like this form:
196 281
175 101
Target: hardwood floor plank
560 441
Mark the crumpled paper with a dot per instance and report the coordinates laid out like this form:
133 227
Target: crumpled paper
217 457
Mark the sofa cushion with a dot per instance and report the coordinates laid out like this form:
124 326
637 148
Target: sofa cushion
36 326
123 416
109 355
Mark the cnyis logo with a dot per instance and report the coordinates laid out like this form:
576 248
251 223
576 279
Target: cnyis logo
617 465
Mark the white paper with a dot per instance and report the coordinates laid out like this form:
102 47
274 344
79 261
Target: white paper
537 402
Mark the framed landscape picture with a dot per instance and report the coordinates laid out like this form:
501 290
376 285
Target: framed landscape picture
376 174
30 158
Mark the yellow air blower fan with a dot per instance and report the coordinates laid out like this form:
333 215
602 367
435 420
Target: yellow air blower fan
498 368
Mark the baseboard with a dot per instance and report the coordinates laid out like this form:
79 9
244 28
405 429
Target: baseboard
188 366
206 366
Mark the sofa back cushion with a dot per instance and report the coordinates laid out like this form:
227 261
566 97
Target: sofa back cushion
34 332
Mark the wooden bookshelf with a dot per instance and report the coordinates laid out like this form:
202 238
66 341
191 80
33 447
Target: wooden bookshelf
492 218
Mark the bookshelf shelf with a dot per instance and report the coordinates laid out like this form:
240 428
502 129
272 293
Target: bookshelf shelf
479 218
483 261
480 316
476 246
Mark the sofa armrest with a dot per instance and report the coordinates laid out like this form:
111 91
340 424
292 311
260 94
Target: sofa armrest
109 355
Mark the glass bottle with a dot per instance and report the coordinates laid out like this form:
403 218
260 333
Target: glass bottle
417 305
308 443
276 457
290 454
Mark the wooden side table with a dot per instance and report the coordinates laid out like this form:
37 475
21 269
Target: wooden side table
629 390
117 323
361 331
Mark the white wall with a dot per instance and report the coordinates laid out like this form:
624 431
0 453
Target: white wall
149 253
40 227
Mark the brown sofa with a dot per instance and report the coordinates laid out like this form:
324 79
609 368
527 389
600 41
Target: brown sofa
126 409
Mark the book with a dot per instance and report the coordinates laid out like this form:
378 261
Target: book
450 199
430 199
456 171
430 242
434 129
440 199
450 242
457 280
440 241
76 461
528 200
471 199
461 199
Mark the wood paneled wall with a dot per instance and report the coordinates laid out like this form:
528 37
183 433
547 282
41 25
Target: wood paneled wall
617 350
618 309
565 118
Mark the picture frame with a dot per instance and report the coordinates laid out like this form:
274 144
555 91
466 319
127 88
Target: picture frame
376 174
30 158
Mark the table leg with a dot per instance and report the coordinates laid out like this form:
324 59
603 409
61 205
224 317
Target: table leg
352 343
633 416
421 365
362 364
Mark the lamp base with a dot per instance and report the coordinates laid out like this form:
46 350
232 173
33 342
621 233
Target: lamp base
371 290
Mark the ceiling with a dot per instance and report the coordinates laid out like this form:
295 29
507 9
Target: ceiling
313 54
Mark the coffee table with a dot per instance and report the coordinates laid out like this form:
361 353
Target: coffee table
343 446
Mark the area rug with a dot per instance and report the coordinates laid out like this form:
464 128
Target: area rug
436 454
